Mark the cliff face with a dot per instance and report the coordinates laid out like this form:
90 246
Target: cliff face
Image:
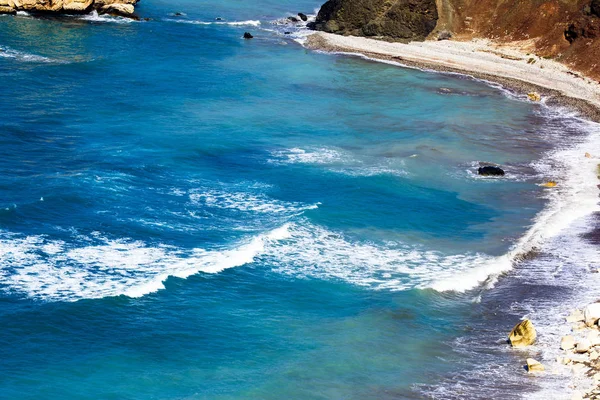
565 30
401 19
116 7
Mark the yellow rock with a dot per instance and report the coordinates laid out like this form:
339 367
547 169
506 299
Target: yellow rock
534 96
534 366
588 155
549 184
523 334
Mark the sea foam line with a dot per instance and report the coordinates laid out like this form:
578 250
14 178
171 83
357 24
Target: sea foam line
575 198
231 23
52 270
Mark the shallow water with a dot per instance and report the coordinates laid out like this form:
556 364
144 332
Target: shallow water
186 214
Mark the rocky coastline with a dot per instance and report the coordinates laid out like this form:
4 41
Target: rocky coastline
124 8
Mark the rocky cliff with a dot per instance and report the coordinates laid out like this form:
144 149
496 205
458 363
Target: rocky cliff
565 30
115 7
400 19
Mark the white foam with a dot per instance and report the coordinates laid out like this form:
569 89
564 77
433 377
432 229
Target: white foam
6 52
95 17
575 197
246 201
312 251
232 23
337 161
53 270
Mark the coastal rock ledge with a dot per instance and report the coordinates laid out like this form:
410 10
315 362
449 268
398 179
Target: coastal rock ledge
113 7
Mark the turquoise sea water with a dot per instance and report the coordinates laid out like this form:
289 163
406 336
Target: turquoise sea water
188 215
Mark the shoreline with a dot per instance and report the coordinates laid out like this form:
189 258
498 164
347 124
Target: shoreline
506 66
513 71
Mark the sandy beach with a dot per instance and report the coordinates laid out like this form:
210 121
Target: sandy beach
504 64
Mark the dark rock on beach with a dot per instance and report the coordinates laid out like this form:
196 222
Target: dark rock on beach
248 35
490 170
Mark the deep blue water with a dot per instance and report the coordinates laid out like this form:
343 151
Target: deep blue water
187 215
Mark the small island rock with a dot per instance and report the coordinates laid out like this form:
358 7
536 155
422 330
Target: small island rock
248 35
490 170
303 17
523 334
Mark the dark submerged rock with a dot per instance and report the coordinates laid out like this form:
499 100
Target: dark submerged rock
490 170
292 19
248 35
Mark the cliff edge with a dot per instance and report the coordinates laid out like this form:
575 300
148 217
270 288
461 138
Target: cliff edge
564 30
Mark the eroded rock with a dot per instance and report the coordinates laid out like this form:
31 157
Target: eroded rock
534 365
523 334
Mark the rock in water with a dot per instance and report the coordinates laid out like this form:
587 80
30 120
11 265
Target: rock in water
248 35
303 17
292 19
591 314
490 171
523 334
549 184
534 366
534 96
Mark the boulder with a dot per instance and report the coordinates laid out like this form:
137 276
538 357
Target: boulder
118 9
550 184
576 316
567 342
490 170
444 35
534 366
534 96
248 35
523 334
591 314
293 19
594 338
77 5
303 17
583 346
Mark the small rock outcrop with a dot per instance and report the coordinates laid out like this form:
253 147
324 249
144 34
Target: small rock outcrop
523 334
490 170
534 365
398 19
534 96
114 7
248 35
303 17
